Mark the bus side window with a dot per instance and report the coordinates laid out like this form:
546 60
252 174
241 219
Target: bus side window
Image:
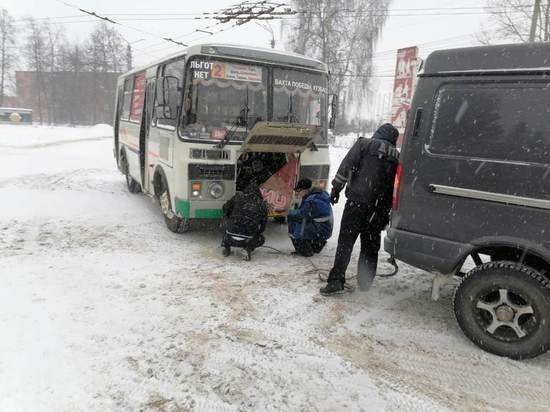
174 69
127 99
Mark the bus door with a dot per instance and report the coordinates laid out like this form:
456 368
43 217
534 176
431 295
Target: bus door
279 146
146 162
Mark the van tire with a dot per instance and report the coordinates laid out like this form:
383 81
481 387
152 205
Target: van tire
173 222
131 183
504 308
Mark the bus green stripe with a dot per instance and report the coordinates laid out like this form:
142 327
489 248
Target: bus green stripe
208 213
183 208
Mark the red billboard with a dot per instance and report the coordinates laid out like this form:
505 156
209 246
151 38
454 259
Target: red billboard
403 87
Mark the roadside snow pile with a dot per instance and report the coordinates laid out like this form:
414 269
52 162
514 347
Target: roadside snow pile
12 136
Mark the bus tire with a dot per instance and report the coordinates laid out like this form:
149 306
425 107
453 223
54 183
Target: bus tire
131 183
173 222
504 308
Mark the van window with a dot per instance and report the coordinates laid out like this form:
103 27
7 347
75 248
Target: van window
128 83
502 122
174 69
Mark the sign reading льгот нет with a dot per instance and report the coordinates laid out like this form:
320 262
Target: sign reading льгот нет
207 70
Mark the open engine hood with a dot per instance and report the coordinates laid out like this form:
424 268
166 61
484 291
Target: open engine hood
280 137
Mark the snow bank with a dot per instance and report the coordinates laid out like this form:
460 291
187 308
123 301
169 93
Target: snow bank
12 136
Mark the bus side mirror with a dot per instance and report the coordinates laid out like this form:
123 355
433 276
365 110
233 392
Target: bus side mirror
167 91
333 110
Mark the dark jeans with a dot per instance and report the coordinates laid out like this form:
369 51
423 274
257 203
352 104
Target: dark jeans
357 220
247 243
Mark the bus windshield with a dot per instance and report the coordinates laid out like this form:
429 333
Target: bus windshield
299 97
227 97
223 97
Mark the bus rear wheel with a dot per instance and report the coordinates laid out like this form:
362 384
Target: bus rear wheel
173 222
131 183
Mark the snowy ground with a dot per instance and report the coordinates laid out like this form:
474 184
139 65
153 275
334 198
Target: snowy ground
102 308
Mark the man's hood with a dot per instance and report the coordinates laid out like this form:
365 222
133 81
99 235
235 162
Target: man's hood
387 132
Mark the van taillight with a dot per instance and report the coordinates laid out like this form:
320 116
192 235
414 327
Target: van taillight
396 186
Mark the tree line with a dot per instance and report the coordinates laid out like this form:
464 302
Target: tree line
65 73
342 34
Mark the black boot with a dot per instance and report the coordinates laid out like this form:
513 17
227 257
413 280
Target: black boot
318 245
247 254
303 247
226 251
333 287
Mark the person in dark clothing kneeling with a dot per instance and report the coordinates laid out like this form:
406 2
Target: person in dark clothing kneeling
310 225
246 215
368 172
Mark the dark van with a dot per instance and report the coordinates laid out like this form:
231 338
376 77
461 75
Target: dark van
472 193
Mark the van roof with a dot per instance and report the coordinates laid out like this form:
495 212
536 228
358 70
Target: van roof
525 57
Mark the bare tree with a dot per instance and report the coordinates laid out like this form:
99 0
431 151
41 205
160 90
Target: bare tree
37 60
7 51
514 19
341 33
106 52
106 49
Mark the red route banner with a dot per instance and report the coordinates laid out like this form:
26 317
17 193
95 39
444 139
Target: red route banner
138 97
403 88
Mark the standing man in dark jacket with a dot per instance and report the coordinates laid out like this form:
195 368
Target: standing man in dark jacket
246 213
368 171
310 225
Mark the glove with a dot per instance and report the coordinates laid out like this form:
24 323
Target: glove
334 196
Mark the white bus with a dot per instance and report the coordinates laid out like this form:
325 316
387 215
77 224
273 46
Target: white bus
194 128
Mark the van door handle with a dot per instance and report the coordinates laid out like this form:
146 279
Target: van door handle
416 124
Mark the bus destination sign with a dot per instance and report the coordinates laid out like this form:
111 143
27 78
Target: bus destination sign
226 71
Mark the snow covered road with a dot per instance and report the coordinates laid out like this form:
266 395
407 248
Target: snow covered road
102 308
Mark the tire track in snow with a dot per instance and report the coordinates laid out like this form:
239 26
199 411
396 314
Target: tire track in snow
479 382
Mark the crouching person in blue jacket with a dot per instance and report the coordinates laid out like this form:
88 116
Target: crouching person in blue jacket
310 225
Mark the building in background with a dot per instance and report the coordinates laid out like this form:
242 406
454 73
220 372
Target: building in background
67 97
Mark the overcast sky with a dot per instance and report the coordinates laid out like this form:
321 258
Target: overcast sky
430 24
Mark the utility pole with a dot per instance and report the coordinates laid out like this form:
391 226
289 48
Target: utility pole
534 19
129 57
129 60
266 26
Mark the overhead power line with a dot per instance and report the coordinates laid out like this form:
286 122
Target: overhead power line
527 6
238 14
109 20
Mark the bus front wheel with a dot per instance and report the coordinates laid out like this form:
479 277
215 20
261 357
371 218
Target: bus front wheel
173 222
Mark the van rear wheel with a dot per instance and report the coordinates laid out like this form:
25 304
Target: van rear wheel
173 222
504 308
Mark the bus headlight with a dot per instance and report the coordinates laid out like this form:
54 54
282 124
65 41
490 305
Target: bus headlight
216 190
